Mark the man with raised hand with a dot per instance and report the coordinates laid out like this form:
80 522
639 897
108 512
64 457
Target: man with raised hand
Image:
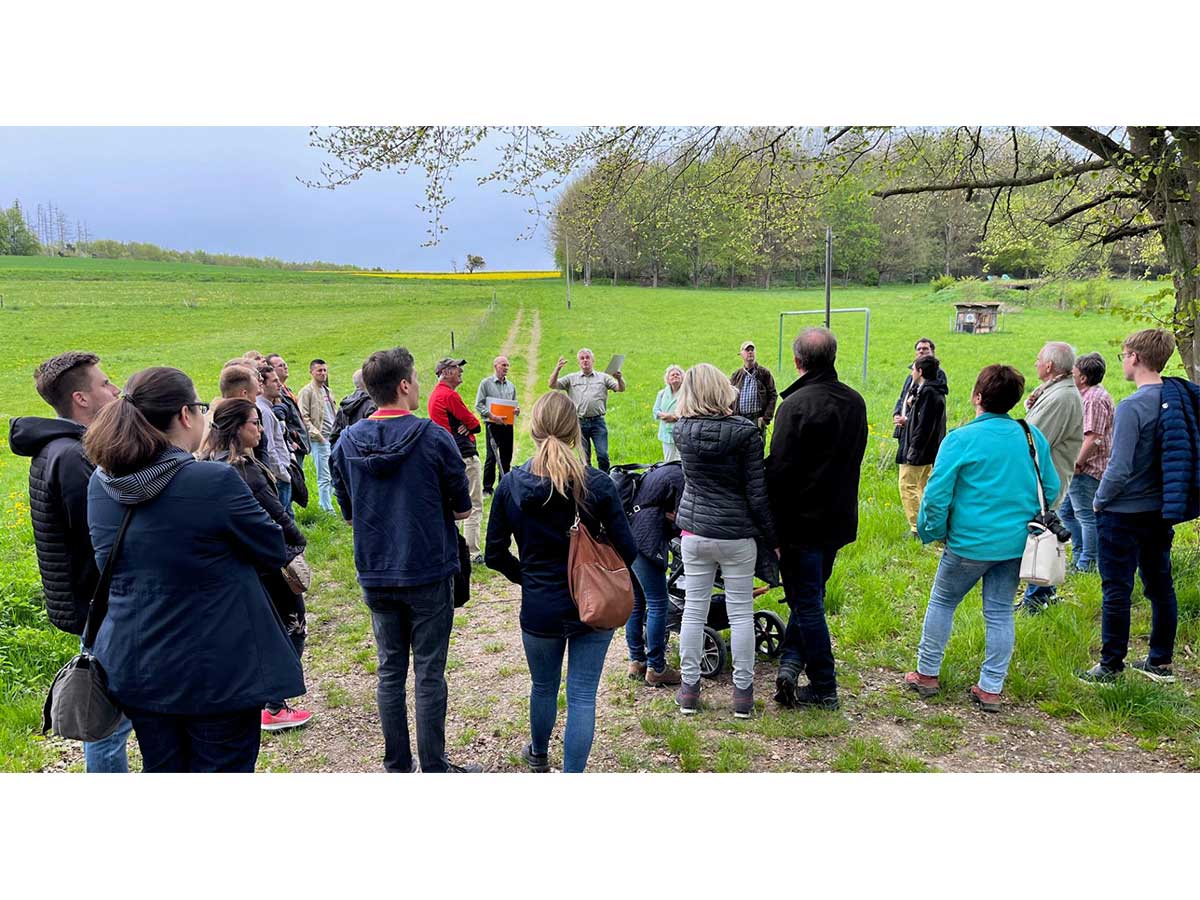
316 403
400 482
496 386
588 390
75 386
446 408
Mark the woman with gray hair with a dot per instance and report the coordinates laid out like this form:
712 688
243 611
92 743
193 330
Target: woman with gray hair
722 510
664 411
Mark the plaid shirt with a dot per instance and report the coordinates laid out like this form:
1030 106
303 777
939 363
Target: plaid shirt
1098 420
748 402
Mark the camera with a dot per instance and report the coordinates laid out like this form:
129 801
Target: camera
1054 525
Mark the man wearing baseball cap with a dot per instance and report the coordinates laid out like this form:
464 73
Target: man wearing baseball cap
756 389
447 409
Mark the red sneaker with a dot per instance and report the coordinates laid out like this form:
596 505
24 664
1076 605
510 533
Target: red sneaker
284 719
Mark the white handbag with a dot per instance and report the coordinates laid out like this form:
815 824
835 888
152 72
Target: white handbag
1044 562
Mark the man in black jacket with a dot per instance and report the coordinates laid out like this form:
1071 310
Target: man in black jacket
354 407
75 386
923 347
812 485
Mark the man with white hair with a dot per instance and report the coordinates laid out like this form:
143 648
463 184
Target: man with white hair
1056 410
588 390
496 386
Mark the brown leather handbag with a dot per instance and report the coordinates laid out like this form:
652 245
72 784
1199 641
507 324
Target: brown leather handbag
598 579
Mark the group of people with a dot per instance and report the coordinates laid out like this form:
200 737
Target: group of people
204 633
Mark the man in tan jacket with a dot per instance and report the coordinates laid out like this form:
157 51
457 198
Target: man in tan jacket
318 409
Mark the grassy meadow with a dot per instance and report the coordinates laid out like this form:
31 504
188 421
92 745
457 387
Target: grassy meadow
196 317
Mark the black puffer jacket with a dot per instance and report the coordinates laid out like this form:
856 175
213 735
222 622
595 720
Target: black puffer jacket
58 483
725 492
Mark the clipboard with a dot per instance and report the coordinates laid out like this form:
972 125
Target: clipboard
615 364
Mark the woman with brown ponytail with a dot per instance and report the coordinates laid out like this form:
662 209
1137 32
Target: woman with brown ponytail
190 644
537 503
236 430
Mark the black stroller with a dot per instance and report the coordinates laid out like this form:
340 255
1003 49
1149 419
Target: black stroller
768 627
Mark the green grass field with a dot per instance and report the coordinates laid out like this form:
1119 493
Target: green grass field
195 317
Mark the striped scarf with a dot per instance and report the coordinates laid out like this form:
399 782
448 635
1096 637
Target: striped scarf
147 483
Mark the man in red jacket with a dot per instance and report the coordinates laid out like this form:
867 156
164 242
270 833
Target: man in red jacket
447 409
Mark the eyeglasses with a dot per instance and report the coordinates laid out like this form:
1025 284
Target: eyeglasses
1124 354
203 407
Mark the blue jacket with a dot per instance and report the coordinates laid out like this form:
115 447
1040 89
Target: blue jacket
1179 438
190 629
982 492
399 480
527 506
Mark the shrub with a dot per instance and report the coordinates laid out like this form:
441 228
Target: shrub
941 282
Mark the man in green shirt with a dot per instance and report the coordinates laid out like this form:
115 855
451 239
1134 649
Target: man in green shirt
499 433
588 390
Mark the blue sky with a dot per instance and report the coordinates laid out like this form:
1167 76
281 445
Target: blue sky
234 190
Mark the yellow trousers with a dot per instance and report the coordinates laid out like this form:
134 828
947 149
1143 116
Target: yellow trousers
912 486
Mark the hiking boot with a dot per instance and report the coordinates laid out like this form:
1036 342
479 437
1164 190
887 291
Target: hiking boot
469 767
284 719
668 677
637 669
785 689
687 698
926 686
537 762
806 696
985 700
1098 674
477 559
743 702
1161 674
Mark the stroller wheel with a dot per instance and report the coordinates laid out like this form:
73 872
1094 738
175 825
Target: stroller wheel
713 654
768 633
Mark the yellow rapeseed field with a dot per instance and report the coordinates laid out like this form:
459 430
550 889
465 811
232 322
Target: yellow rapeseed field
462 276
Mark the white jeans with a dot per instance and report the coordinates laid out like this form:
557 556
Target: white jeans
736 557
670 452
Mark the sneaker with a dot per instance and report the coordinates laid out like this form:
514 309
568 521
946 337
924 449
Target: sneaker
926 686
668 677
806 696
1098 674
284 719
687 698
637 669
985 700
477 559
1162 674
743 702
469 767
537 762
785 689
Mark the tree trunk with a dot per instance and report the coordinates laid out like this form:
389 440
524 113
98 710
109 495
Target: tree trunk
949 232
654 273
732 282
768 278
587 272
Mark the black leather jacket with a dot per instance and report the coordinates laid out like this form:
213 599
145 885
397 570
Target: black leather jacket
725 492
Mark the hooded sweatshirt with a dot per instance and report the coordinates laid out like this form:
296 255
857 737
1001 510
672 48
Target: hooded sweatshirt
353 408
925 429
190 629
527 506
399 480
58 480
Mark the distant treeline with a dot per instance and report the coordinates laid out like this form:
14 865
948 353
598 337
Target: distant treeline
21 236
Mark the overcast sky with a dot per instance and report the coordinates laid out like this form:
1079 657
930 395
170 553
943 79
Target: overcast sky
235 190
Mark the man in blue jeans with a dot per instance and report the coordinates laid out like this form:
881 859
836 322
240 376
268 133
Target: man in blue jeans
588 390
812 484
1134 535
75 386
401 481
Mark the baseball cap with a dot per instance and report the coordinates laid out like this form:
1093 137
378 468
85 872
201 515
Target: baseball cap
749 344
447 362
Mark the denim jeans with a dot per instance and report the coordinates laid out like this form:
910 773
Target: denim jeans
109 755
320 455
806 646
1135 542
285 498
221 742
646 630
418 619
585 663
1079 517
736 557
956 575
595 431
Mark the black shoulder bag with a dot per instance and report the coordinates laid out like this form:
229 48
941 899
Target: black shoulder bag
78 706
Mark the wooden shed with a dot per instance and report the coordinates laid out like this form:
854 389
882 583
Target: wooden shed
976 318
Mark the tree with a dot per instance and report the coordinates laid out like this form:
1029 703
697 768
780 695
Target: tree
1102 186
474 262
15 237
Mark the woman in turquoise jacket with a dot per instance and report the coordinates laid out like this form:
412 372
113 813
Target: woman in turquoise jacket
664 411
979 501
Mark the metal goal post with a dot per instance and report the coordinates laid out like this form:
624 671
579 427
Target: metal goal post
821 312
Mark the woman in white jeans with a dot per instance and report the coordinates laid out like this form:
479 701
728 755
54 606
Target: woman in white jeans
721 513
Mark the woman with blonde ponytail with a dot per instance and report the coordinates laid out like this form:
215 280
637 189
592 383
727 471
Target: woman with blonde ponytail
537 504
